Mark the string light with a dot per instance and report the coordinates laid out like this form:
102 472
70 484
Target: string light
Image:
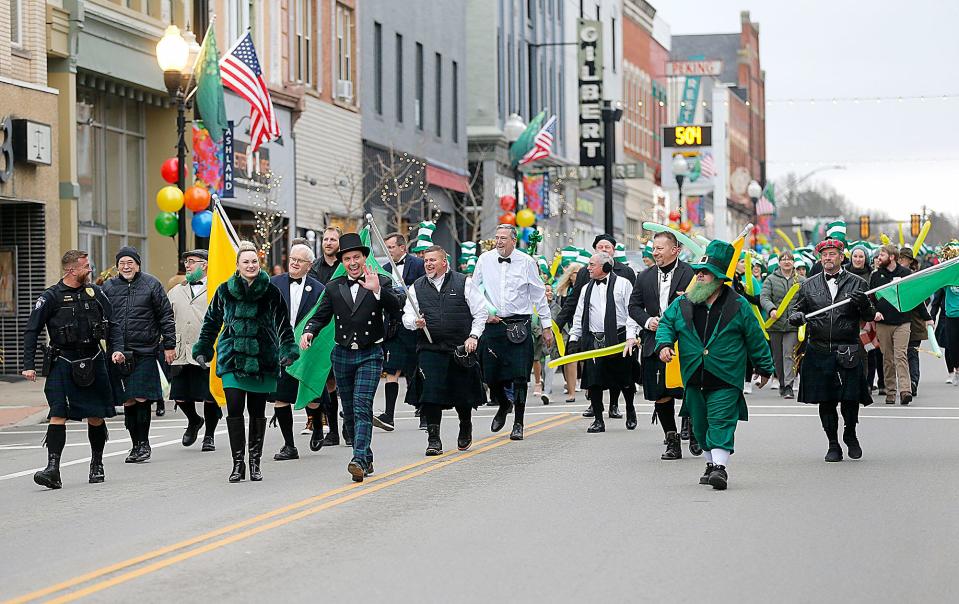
268 219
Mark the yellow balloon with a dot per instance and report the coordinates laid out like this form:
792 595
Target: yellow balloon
525 218
170 199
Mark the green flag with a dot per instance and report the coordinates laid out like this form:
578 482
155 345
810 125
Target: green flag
313 366
525 141
209 87
909 292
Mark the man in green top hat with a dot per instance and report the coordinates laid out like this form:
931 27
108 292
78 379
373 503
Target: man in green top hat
717 332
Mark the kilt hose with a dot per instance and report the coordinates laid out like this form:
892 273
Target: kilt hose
357 375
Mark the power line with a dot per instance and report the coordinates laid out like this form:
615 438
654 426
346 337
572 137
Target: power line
863 161
864 99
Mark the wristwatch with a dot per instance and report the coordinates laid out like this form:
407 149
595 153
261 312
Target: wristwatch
473 336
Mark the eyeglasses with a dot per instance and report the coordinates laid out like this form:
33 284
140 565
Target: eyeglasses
193 261
299 261
126 263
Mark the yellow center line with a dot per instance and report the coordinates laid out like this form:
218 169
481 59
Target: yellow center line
358 488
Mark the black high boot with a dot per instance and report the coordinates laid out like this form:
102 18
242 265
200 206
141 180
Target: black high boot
631 422
56 439
465 437
130 423
257 432
519 413
144 414
236 428
850 416
830 425
98 436
434 446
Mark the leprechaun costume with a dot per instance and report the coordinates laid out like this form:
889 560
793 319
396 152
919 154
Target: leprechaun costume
717 332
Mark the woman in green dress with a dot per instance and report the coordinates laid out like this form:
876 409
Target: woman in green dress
255 341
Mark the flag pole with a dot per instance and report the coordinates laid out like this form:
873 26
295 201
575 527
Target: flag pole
923 272
397 277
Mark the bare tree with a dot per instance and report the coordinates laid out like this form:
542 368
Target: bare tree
270 221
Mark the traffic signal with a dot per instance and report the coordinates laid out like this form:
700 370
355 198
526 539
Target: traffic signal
864 227
915 225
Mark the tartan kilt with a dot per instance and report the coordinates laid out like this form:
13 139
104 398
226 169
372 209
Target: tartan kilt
613 371
654 380
192 383
287 388
399 352
68 400
822 380
502 360
143 383
446 384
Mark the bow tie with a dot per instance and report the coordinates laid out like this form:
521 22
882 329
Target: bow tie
602 281
509 260
353 282
400 263
298 281
829 277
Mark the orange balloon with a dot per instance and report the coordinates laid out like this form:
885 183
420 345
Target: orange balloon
508 218
197 198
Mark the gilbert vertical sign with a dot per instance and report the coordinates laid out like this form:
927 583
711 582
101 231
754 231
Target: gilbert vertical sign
590 64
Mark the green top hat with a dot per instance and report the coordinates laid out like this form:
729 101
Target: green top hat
836 230
716 260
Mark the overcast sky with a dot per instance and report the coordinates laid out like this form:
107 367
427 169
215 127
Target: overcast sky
898 155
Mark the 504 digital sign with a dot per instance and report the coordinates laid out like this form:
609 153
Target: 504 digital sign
688 136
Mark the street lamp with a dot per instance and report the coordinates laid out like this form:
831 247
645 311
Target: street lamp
513 128
754 191
176 55
680 170
612 113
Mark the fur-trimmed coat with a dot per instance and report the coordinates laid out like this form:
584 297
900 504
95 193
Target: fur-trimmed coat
256 332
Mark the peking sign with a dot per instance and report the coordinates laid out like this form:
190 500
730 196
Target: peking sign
590 75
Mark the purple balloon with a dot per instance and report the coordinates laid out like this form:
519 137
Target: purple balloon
202 223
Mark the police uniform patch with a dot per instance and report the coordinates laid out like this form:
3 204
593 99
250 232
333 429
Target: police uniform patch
89 291
39 303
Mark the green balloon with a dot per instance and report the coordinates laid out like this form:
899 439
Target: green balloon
167 224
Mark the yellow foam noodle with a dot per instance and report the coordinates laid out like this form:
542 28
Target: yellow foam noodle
776 250
557 260
749 284
588 354
560 344
799 237
674 377
884 238
786 238
802 333
783 305
902 236
737 250
922 237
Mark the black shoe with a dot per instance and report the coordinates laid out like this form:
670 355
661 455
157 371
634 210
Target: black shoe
286 453
134 455
694 449
517 433
905 398
145 452
834 453
369 469
96 469
316 436
787 392
331 440
852 444
684 431
544 398
50 476
704 479
673 448
588 412
383 422
422 423
434 446
882 391
718 478
236 428
596 426
208 444
192 431
614 412
499 420
356 470
161 408
631 421
465 437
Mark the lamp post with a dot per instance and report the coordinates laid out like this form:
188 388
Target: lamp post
176 54
513 128
754 191
612 113
680 170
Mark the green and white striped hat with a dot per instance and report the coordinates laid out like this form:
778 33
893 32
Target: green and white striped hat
583 257
620 254
569 254
543 264
470 265
648 249
836 230
773 262
424 236
467 249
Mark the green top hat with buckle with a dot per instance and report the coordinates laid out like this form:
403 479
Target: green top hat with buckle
716 260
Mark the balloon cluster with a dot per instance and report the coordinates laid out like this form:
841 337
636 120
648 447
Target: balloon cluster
524 219
170 199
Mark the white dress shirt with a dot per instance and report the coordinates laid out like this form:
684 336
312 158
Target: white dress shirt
664 281
355 289
296 295
474 299
197 288
513 287
833 284
622 289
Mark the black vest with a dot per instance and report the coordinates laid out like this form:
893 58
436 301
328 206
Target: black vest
609 321
78 321
447 312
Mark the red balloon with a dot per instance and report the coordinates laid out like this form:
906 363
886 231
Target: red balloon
196 198
169 170
755 230
508 218
675 216
508 203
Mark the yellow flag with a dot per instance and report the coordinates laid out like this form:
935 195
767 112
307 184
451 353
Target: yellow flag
220 267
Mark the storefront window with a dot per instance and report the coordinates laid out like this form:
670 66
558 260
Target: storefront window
111 174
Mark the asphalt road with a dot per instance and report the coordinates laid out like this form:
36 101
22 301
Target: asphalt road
563 516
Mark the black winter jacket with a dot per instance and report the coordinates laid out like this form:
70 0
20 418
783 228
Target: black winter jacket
143 312
839 325
882 276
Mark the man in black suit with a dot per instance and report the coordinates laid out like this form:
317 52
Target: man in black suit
603 244
655 290
357 301
300 292
400 345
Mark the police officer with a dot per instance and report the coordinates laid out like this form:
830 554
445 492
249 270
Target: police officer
78 316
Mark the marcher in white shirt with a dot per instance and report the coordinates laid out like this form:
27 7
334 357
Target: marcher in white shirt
602 319
510 281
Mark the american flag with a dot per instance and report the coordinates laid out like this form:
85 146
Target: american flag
241 73
707 166
765 207
543 143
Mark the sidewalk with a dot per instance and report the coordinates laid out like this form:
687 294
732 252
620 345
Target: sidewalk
21 401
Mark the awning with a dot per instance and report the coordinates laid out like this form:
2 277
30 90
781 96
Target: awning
445 179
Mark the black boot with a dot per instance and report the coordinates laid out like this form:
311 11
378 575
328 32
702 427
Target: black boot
694 449
50 476
673 448
834 453
130 422
852 442
316 436
434 446
685 431
257 432
98 437
597 426
143 430
499 420
718 478
161 408
614 411
236 428
192 431
208 444
465 437
631 416
704 479
596 402
589 412
517 433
